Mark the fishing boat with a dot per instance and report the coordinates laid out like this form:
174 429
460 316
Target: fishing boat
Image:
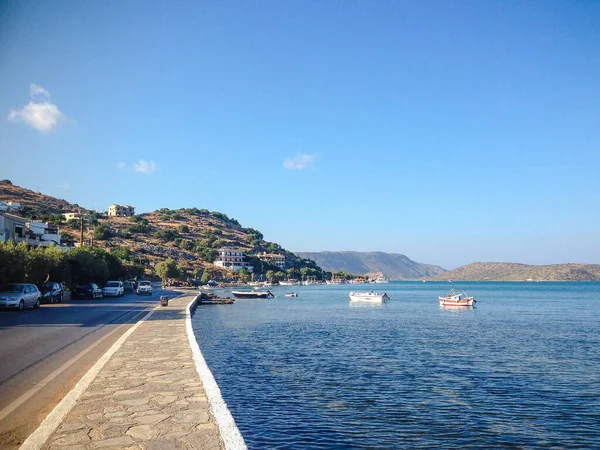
369 297
252 294
457 298
291 294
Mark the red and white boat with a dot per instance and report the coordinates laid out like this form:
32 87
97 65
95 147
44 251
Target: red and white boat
457 298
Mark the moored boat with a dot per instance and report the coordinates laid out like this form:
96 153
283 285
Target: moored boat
291 294
370 297
252 294
457 298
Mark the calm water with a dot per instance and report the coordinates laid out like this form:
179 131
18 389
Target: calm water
519 370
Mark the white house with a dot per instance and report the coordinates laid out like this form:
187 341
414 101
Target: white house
48 234
273 258
232 259
121 210
72 216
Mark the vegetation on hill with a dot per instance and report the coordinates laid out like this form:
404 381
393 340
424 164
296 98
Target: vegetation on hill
188 236
392 265
492 271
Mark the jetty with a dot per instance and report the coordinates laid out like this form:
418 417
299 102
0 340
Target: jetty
208 298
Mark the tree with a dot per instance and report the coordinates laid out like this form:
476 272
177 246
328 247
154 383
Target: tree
279 276
167 269
86 266
102 233
205 276
244 275
13 262
167 235
270 275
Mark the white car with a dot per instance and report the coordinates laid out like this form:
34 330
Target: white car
113 289
144 287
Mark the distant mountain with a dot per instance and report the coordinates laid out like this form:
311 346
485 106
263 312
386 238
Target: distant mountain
496 271
392 265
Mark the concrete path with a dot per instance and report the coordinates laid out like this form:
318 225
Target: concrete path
147 396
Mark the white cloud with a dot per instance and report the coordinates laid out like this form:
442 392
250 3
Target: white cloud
121 165
39 113
300 161
144 166
35 91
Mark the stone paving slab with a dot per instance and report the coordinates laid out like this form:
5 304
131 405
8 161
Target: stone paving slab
147 396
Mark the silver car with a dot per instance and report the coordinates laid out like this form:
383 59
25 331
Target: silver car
20 295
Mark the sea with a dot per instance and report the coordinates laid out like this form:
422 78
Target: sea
520 369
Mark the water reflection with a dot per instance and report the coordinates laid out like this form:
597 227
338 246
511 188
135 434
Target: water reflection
359 305
455 308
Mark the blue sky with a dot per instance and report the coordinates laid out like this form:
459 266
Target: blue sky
448 131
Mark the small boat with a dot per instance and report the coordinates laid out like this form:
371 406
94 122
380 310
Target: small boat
252 294
291 294
370 297
457 298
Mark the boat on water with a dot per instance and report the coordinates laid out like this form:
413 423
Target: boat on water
369 297
457 298
291 294
252 294
381 280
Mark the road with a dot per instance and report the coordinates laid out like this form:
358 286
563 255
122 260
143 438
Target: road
44 352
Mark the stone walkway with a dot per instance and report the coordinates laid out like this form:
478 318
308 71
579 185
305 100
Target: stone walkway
147 396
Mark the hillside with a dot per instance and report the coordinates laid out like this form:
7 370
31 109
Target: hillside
492 271
191 236
35 204
392 265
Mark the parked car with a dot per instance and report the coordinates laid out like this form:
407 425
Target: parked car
51 292
128 286
87 290
113 289
144 287
20 295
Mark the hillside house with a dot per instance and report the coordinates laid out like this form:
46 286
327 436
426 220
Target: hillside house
15 228
232 259
12 228
121 211
273 258
72 216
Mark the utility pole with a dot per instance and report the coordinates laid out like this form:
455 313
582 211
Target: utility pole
81 239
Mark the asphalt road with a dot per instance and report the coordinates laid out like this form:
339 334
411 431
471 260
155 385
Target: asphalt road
44 352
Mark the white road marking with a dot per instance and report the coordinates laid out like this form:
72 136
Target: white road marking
27 395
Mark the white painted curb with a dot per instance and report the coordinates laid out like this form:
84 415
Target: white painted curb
232 438
39 437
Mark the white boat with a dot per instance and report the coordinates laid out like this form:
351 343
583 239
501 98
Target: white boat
288 283
291 294
370 297
457 298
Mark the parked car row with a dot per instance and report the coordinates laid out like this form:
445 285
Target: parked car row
22 295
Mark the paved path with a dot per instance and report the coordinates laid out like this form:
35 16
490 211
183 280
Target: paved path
147 396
